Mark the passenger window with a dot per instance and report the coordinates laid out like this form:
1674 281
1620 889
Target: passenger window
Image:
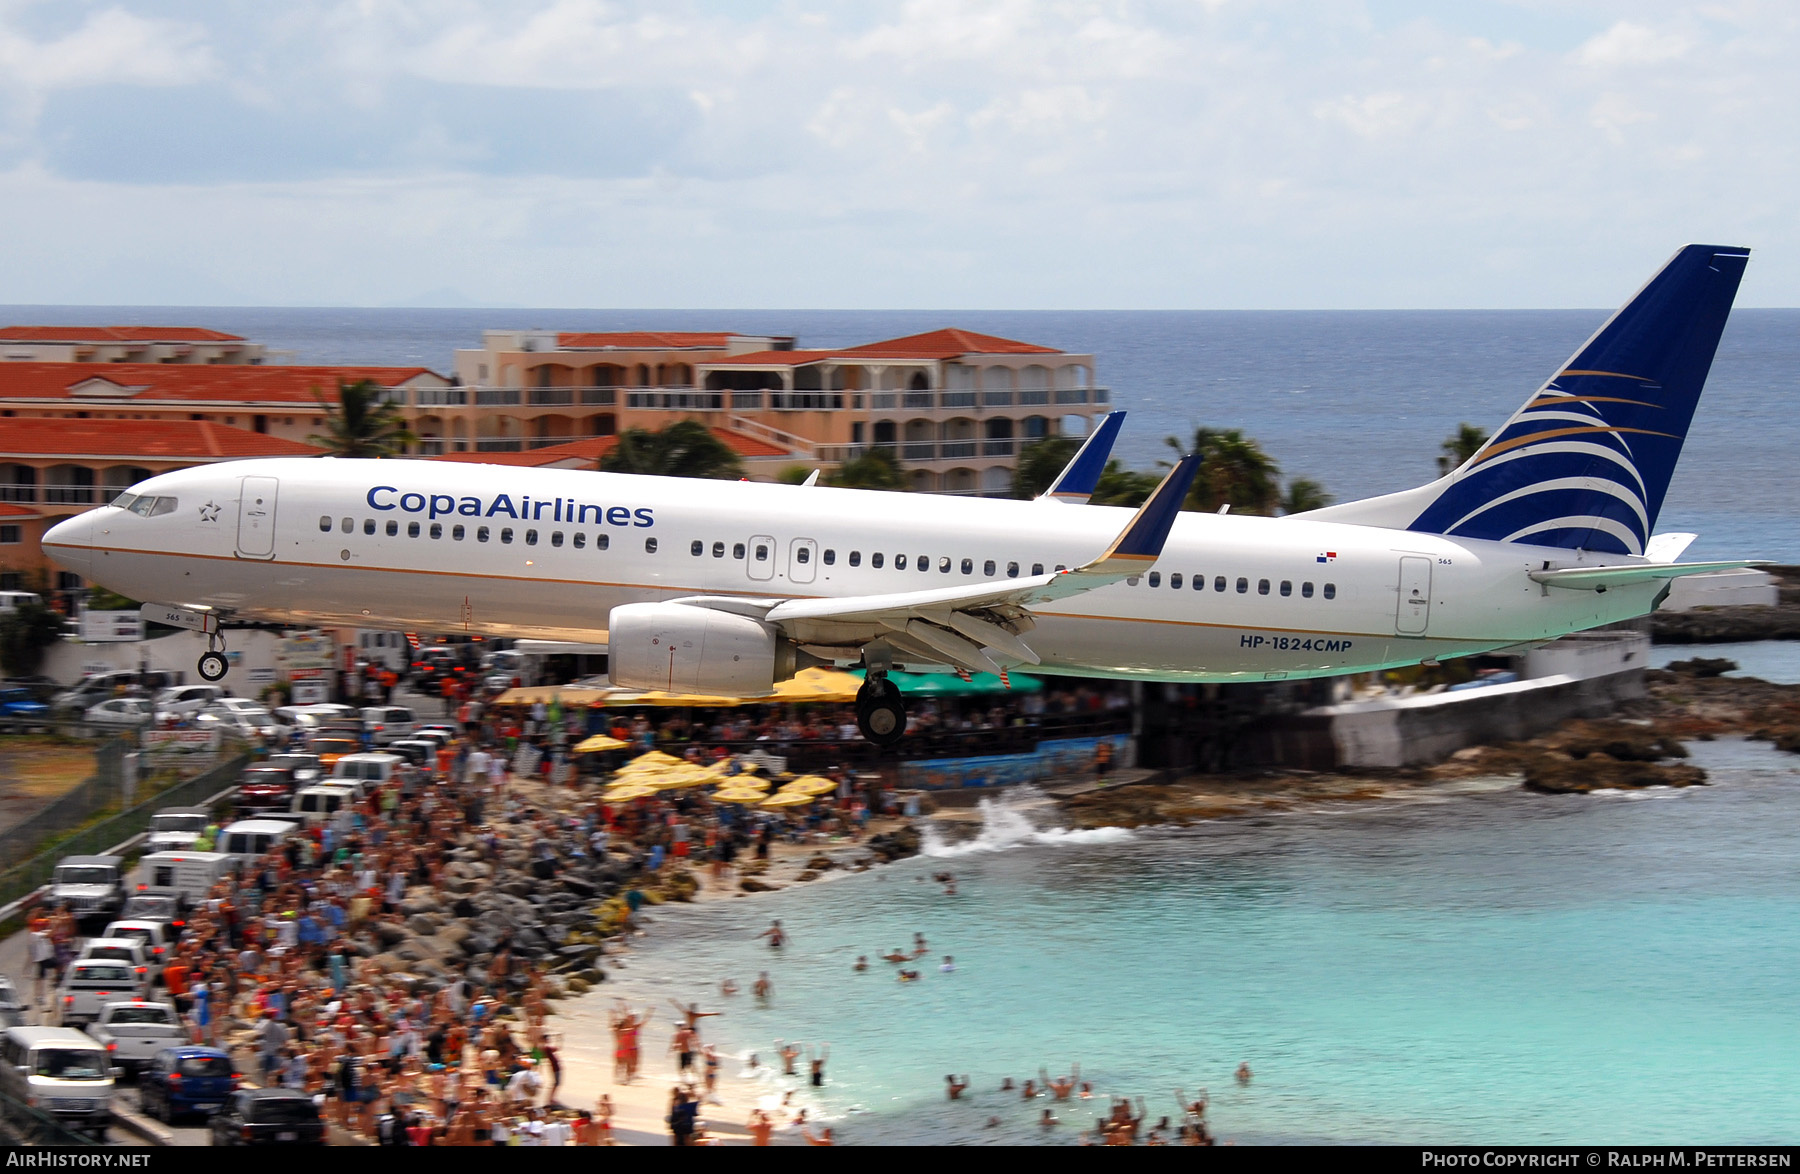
437 529
924 563
987 569
1037 568
506 533
1219 583
856 558
1306 591
412 529
556 538
899 562
457 532
1012 570
325 524
1243 585
1287 588
1156 578
803 554
602 541
368 525
830 556
481 533
875 560
578 540
968 567
531 538
944 564
349 526
696 548
718 550
1262 586
1199 582
737 550
650 546
762 553
393 528
1175 581
1330 591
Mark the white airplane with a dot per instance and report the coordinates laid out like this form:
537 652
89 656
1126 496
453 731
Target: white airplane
726 588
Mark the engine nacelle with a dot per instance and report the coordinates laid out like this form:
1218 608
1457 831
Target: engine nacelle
688 649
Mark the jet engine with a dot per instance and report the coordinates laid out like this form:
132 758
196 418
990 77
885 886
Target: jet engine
688 649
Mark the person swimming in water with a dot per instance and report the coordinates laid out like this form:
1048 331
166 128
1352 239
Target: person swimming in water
776 935
862 963
954 1088
1243 1072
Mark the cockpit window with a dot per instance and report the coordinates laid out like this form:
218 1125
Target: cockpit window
123 501
152 507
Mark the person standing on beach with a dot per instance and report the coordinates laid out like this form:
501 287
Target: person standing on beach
760 1126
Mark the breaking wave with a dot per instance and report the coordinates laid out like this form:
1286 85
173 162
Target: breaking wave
1004 825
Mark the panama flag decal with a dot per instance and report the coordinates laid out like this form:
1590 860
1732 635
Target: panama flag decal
1329 556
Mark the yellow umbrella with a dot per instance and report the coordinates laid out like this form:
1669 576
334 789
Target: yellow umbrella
623 794
657 757
675 780
750 781
787 799
809 785
738 795
599 742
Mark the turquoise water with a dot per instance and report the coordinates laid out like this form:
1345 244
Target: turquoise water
1486 966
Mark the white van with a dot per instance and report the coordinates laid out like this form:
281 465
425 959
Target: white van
372 770
249 840
187 876
11 601
324 804
59 1071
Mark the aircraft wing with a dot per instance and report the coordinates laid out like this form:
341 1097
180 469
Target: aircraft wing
953 625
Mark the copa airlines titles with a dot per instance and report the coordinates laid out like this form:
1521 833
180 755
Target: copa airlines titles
562 509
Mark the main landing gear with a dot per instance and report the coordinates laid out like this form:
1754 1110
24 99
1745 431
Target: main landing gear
212 662
880 714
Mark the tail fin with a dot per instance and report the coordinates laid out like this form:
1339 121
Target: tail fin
1081 476
1586 462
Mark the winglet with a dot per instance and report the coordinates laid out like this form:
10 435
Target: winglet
1078 480
1141 542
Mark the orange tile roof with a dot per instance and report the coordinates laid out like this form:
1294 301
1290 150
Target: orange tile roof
772 359
114 334
595 447
948 344
646 340
9 510
225 383
150 440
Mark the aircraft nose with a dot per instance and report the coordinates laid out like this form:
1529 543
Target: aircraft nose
71 543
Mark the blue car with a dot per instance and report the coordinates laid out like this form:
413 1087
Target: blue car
186 1079
21 705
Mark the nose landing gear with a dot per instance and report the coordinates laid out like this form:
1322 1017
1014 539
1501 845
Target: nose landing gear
212 662
880 714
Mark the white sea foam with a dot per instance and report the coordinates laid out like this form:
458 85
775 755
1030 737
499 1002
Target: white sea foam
1005 825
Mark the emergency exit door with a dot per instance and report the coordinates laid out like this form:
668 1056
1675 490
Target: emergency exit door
1414 612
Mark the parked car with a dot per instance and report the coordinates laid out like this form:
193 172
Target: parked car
11 601
133 1032
418 752
265 788
306 768
384 723
91 886
21 705
120 713
175 828
12 1008
374 770
129 950
60 1072
251 722
187 700
329 748
156 937
268 1116
87 987
186 1079
97 687
162 910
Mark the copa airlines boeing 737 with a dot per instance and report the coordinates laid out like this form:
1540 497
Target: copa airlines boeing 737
725 588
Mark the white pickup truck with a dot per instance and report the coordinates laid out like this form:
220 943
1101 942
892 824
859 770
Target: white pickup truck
132 1033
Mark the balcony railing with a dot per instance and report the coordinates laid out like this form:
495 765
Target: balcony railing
953 449
685 400
918 450
999 448
16 492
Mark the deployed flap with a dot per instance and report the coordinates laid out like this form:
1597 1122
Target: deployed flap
1600 578
1078 480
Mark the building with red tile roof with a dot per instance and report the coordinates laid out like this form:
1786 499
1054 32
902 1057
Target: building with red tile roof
758 455
128 344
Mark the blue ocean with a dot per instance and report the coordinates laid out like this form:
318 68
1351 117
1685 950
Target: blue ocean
1359 401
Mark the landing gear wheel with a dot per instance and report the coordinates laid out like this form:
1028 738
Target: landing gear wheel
880 714
212 666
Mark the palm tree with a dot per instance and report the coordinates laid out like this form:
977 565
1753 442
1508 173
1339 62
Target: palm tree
1304 494
686 448
363 423
877 468
1121 486
1234 470
1464 443
1039 463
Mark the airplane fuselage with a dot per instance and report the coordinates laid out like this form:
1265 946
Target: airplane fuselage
502 551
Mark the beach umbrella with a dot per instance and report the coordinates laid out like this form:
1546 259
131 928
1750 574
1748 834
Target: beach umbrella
656 758
809 785
787 799
626 793
738 795
599 742
751 781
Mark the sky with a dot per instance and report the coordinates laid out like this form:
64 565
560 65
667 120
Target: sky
994 154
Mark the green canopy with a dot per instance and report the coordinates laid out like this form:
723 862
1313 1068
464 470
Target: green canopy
948 684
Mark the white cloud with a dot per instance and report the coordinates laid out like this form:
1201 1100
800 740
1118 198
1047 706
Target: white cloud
1629 43
112 47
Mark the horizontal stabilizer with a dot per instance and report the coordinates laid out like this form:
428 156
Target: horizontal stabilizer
1600 578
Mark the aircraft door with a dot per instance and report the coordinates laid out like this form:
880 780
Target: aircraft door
803 560
1414 612
760 560
256 518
